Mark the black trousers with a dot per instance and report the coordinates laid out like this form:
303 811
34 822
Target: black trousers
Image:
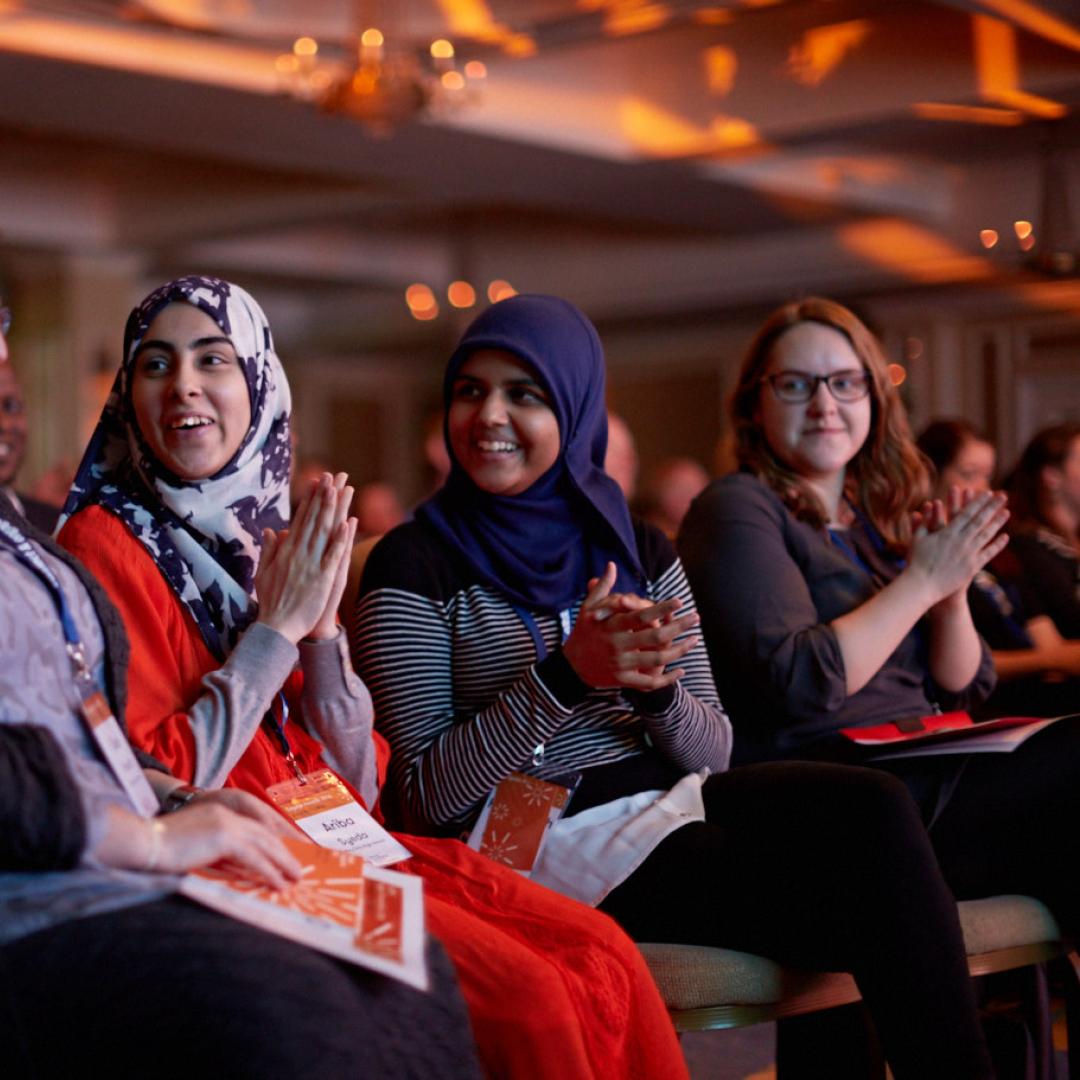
1012 822
823 867
170 989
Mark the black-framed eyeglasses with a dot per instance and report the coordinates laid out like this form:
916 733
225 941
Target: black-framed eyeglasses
798 387
5 320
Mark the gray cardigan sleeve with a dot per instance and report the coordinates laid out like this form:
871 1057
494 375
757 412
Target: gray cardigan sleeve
337 710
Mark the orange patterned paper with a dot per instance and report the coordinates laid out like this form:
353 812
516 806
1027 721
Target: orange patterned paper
382 920
518 819
331 886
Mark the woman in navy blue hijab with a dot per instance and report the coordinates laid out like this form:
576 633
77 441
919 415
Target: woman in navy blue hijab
524 627
529 544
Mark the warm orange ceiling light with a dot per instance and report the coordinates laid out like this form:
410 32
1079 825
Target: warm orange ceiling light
721 65
897 374
473 19
305 46
500 290
629 19
1023 229
713 16
461 294
911 251
821 50
419 296
988 238
1037 20
998 68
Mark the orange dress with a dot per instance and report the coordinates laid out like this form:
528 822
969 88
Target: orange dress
553 987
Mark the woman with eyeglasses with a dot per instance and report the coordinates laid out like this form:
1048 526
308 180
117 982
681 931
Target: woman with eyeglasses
833 594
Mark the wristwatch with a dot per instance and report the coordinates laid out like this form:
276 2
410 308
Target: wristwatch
179 797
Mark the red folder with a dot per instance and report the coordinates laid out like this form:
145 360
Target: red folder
941 728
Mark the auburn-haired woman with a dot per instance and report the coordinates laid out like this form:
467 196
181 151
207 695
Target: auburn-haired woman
833 594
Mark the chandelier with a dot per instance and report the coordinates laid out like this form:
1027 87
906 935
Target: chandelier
386 80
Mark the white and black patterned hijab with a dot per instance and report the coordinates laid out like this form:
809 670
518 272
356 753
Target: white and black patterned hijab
204 535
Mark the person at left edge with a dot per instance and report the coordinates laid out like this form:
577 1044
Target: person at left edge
13 431
181 493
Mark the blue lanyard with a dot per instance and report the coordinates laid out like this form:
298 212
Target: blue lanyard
840 540
278 728
15 540
529 620
527 617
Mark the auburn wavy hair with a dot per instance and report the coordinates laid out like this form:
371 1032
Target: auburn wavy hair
887 479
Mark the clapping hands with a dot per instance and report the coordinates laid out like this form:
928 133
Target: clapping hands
302 571
954 539
624 640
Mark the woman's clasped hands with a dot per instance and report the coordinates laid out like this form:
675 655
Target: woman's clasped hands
952 542
624 640
302 571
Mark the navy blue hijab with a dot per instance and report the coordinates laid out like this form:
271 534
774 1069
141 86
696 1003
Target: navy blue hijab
541 547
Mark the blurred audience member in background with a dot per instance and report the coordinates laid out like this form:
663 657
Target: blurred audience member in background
621 461
13 436
1039 670
306 471
961 456
1044 498
668 491
378 509
435 455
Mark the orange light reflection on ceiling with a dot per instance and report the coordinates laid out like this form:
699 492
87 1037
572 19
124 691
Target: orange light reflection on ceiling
910 251
635 18
821 50
713 17
660 133
998 69
968 114
473 19
201 60
1034 18
721 65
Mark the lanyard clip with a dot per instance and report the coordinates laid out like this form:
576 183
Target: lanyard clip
290 757
78 660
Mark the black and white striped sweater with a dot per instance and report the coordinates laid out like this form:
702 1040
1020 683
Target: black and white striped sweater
463 701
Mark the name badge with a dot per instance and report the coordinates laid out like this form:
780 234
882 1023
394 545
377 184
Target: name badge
114 746
322 807
515 820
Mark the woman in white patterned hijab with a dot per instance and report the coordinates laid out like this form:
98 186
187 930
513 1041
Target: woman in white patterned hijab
197 484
